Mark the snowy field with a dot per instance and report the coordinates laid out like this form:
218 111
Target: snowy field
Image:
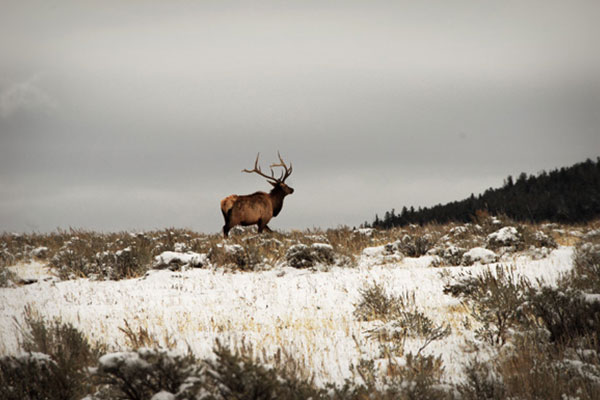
308 313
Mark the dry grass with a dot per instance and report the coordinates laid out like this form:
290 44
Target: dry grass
118 255
528 366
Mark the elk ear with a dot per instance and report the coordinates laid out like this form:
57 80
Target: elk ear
273 183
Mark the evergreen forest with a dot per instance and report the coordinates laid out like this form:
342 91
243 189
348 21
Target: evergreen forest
569 195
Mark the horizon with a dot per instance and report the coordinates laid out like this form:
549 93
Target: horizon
73 228
127 117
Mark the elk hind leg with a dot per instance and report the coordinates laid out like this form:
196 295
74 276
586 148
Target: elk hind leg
227 226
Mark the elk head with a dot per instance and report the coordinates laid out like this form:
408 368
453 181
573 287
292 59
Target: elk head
277 183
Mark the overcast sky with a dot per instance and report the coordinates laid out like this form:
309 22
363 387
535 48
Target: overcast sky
140 114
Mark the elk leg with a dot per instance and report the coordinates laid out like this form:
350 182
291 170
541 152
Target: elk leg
226 227
263 226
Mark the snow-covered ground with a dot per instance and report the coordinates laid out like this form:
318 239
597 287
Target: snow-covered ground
308 313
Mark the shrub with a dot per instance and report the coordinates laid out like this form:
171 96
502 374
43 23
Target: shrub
403 318
479 254
566 314
141 337
303 256
534 369
452 255
116 256
415 377
495 301
234 375
481 383
586 265
54 365
33 376
145 372
416 246
556 353
509 236
236 256
61 341
375 303
7 277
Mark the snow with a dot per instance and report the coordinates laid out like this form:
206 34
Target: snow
233 249
308 313
129 360
32 271
365 231
163 395
39 251
591 298
39 358
380 255
322 247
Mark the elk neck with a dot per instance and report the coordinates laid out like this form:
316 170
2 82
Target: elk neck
276 195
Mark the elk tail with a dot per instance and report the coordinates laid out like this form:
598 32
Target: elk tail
227 207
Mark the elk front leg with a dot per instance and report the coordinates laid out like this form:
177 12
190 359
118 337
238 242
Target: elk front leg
267 229
263 226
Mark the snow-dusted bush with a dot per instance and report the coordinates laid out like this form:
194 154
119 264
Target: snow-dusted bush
532 369
567 314
54 363
586 264
145 373
541 239
495 298
7 278
365 231
481 382
408 377
235 256
307 256
479 255
401 316
63 342
112 256
508 236
34 376
236 375
161 374
453 255
388 253
40 252
415 245
177 260
376 303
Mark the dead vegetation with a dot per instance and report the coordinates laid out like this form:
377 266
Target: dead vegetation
544 340
79 253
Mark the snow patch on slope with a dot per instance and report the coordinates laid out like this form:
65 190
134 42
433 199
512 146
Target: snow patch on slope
309 313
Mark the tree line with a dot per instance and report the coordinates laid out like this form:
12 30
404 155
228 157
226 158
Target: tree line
569 195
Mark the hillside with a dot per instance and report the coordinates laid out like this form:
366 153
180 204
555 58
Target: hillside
567 195
440 311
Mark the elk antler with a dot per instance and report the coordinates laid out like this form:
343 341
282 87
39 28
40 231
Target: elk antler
285 174
258 171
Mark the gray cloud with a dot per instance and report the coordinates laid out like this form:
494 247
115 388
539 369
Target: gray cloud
25 96
378 105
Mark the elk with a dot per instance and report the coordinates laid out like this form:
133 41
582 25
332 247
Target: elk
257 208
